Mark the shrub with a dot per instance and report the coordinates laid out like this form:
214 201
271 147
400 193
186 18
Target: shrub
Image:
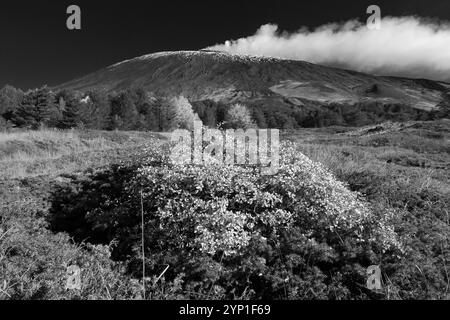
227 231
33 261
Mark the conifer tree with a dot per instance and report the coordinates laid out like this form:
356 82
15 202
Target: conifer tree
36 109
70 109
122 107
95 110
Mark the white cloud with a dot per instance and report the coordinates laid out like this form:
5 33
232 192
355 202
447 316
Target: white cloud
405 46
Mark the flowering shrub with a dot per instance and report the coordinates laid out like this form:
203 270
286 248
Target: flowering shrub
228 231
225 205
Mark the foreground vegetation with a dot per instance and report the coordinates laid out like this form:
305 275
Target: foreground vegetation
374 195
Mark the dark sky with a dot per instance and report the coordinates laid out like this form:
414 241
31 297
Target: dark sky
36 48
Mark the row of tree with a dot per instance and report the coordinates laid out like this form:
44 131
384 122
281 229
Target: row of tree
133 109
43 107
136 109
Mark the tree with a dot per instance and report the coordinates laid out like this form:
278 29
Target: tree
95 110
259 117
238 117
148 108
178 114
36 109
153 115
207 111
10 99
70 109
124 112
3 124
140 99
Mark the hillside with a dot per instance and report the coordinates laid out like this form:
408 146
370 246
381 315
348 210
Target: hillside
222 77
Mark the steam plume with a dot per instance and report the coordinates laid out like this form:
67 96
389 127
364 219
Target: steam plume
404 46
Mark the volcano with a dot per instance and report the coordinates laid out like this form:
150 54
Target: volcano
223 77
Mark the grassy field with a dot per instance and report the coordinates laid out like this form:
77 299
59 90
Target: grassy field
400 166
52 152
403 167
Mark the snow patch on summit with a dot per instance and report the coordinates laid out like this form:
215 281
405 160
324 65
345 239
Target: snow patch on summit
219 55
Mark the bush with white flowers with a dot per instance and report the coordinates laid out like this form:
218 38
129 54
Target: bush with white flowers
299 233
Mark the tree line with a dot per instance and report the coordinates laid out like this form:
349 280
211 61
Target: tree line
132 109
136 109
95 109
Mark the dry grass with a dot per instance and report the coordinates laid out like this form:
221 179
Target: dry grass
30 146
408 170
50 152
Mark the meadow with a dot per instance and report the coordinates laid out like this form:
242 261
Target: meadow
344 199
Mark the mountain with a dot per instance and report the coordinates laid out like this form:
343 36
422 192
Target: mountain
222 77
